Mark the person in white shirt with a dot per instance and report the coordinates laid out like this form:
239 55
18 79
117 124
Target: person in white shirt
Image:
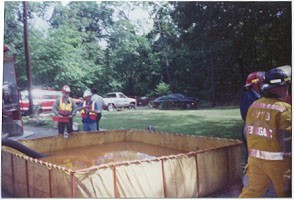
100 103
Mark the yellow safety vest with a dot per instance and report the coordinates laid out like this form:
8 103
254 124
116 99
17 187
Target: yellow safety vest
265 118
65 107
92 115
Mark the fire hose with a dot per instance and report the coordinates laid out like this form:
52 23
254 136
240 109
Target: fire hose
22 148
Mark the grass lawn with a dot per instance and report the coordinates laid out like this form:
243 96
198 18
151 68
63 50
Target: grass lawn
216 122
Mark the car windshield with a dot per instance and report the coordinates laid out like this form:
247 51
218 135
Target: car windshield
122 96
177 95
111 95
25 95
38 94
47 94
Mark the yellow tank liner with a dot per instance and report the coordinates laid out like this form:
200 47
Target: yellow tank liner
207 166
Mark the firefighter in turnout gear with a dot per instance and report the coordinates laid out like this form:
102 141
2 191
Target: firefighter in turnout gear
65 108
88 110
268 129
251 92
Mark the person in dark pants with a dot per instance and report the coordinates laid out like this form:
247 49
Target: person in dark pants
251 92
88 110
269 135
65 108
100 103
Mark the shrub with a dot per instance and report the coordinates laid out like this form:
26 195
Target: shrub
162 89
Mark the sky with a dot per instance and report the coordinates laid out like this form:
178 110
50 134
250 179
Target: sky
134 15
138 14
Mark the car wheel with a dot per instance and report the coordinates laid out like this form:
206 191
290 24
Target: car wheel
110 107
160 106
132 107
188 106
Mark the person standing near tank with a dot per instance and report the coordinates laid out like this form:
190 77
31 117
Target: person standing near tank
88 110
268 129
251 92
65 107
100 103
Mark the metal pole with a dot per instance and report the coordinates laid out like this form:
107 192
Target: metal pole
27 55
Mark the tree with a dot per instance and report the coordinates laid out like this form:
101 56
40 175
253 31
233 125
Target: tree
203 49
227 39
162 89
86 22
131 59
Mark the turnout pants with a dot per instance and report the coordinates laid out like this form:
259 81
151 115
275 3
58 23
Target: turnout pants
260 173
244 139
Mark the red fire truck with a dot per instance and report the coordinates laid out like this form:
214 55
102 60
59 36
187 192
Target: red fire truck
12 124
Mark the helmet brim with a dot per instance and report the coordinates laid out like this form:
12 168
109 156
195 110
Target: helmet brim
247 85
268 86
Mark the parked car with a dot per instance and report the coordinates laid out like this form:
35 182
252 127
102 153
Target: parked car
43 100
143 101
175 100
114 100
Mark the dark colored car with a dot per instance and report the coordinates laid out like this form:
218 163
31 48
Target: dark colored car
144 101
175 100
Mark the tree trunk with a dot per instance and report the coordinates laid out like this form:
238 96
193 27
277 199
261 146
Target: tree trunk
212 81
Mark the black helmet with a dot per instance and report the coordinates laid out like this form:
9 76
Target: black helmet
277 77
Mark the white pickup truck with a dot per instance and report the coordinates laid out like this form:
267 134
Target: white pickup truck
114 100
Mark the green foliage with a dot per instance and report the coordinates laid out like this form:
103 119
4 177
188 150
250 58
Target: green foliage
224 122
206 122
162 89
13 34
203 49
229 40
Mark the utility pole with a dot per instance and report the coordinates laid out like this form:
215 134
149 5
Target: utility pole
27 55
